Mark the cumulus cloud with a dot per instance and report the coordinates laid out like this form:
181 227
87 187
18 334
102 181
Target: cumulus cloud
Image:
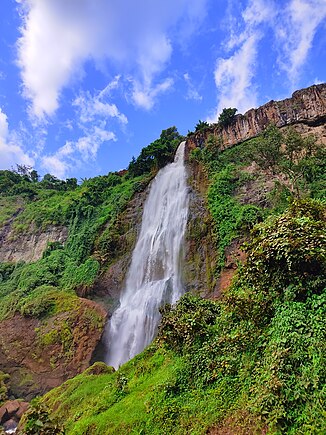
292 29
234 74
57 37
89 145
144 95
297 27
74 153
55 165
92 107
11 151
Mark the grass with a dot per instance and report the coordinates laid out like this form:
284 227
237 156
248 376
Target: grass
254 359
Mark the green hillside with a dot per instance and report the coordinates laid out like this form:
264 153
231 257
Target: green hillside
252 361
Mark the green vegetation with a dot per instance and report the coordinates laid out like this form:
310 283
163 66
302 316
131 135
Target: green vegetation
226 117
230 217
254 360
4 380
201 126
288 167
251 362
89 211
39 421
301 161
157 154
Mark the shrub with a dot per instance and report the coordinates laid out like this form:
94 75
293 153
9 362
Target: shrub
186 323
227 116
37 421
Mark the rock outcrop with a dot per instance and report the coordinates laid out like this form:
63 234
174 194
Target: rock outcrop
30 245
10 414
305 109
199 250
40 354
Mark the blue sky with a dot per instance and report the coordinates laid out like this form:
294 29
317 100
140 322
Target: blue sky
85 84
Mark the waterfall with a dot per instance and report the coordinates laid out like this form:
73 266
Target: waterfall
154 274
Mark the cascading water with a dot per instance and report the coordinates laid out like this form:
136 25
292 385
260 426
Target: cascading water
154 275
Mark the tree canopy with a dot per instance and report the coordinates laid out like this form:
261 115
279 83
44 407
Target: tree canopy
227 116
157 154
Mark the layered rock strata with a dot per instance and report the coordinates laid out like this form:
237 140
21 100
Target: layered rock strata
306 109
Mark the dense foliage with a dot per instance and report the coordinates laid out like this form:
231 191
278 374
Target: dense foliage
252 362
86 211
226 117
300 160
201 126
157 154
90 213
287 166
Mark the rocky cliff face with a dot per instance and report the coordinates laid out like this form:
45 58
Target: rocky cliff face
306 109
40 354
200 252
108 286
30 245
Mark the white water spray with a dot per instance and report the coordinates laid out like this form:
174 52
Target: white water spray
154 275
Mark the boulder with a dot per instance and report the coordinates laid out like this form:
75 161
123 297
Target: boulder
12 410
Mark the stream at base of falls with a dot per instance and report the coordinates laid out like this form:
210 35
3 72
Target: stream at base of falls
154 276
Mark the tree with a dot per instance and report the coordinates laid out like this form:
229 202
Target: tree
298 159
34 176
23 170
157 154
227 116
27 173
71 183
266 149
201 126
51 182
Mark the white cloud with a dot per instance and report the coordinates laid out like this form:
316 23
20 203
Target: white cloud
11 152
192 92
234 74
145 95
89 145
92 107
93 113
295 32
3 125
292 29
233 77
58 36
55 165
72 154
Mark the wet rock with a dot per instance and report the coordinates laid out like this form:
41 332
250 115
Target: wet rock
10 414
10 426
199 249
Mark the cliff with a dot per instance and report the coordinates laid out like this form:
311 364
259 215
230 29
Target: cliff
30 245
306 109
41 353
240 348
